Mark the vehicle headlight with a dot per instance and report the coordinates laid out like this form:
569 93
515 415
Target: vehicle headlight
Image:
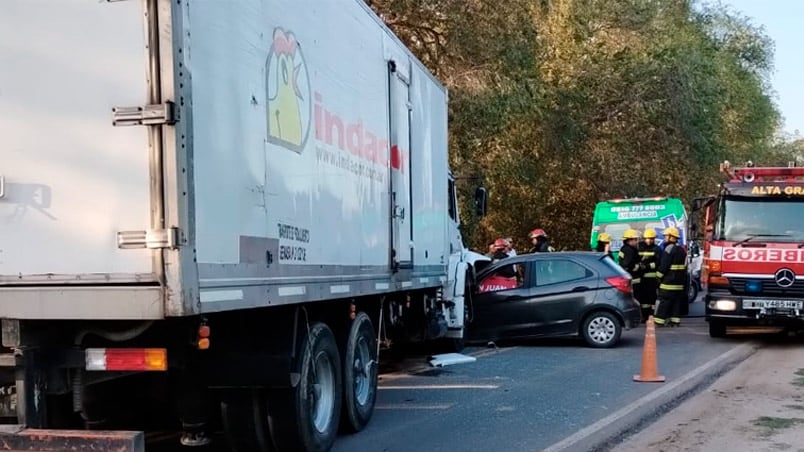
723 305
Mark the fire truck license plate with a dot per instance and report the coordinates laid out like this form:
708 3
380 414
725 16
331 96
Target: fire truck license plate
773 304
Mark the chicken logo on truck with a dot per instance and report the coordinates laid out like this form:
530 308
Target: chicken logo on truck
288 87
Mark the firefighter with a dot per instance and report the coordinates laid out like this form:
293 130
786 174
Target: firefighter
499 250
629 256
650 253
509 248
604 244
540 241
672 274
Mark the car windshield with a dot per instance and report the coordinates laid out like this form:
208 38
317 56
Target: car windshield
761 219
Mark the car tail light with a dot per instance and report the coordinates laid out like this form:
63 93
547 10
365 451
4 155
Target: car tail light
620 283
126 359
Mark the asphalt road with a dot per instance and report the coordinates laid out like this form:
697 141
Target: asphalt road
526 395
523 396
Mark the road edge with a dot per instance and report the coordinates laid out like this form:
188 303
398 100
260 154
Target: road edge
615 428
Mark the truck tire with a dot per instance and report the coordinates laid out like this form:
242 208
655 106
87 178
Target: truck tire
305 417
717 329
245 420
359 374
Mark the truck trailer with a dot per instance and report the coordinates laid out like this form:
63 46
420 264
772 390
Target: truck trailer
212 214
753 266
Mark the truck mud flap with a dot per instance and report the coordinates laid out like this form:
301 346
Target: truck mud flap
19 438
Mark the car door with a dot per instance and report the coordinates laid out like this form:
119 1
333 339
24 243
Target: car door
562 287
501 305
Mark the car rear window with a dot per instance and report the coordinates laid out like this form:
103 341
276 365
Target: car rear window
613 266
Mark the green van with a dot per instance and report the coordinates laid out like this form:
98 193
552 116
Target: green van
616 215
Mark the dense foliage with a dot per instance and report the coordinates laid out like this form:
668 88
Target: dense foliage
558 104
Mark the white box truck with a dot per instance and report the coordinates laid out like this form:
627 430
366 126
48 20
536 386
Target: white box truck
212 212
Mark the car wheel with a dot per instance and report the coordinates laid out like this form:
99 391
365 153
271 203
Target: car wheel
717 329
692 292
601 329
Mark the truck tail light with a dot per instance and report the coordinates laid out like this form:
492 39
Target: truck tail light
620 283
126 359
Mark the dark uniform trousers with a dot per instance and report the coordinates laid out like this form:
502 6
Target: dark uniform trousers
645 291
672 275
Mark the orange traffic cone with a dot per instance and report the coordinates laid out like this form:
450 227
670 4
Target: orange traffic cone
650 369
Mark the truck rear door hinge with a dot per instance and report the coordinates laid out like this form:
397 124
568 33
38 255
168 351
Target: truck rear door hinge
148 115
152 238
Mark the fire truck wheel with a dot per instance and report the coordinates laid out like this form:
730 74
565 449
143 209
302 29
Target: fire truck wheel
245 422
717 329
359 374
306 416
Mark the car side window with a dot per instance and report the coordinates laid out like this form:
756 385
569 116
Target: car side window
505 278
558 271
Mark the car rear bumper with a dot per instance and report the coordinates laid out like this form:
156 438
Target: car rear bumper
632 318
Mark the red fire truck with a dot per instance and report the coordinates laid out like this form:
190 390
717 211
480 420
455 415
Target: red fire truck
753 271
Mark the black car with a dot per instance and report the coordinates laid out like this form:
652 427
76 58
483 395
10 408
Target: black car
553 294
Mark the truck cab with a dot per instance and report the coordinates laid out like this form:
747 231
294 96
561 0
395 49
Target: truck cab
753 248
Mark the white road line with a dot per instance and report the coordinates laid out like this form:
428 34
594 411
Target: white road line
465 386
571 442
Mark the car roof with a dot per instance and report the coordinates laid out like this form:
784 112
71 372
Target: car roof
534 257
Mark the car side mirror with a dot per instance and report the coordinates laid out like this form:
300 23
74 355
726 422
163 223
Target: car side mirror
481 201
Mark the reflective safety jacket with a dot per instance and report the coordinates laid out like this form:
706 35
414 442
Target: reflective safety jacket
672 271
651 258
631 262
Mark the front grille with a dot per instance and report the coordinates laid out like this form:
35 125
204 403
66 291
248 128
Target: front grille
767 287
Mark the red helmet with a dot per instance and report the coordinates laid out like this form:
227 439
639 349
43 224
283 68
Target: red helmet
538 232
500 243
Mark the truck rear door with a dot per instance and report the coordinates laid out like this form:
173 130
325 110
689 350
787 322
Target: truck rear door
71 181
399 115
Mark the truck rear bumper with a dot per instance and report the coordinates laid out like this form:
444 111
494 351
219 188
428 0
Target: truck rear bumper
17 438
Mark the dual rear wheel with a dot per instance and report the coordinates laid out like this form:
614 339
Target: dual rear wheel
329 394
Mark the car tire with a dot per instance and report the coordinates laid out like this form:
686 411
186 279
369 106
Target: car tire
692 292
601 329
717 329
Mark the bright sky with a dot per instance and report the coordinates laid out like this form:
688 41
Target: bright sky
782 20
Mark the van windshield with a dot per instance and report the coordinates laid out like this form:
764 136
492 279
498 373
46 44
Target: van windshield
761 219
616 230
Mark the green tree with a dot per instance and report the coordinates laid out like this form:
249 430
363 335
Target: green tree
558 104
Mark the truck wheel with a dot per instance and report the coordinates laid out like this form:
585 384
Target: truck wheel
306 416
717 329
601 329
360 374
245 421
